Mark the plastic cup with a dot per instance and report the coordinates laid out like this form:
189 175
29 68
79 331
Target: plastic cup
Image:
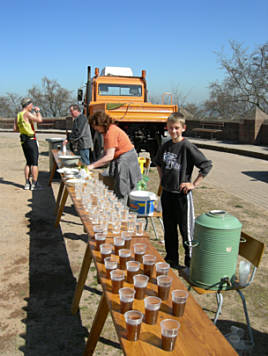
162 268
140 225
124 215
117 278
126 296
124 256
152 306
139 250
133 320
133 268
116 227
131 223
100 239
106 251
127 236
164 284
118 244
140 284
98 228
169 332
179 298
148 265
111 264
95 219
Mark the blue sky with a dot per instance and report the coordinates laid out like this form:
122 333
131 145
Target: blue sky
174 41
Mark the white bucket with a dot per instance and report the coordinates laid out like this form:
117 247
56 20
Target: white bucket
142 202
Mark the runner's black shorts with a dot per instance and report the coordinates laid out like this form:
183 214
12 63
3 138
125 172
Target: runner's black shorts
30 150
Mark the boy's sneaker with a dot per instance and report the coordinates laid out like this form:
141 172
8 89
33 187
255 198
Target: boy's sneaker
27 186
36 186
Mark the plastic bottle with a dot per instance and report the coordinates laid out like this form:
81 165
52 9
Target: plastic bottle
244 270
64 150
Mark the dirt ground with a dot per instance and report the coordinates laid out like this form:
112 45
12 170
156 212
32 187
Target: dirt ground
40 265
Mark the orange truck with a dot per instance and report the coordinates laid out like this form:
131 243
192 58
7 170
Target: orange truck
125 98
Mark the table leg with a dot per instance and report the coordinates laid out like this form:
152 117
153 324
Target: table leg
81 280
62 204
97 326
154 228
59 196
52 173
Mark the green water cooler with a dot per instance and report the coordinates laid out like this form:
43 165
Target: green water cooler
215 250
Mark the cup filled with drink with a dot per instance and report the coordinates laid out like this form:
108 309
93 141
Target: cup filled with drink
119 243
179 298
100 239
117 278
162 268
140 285
169 333
164 284
124 257
133 320
148 265
127 236
133 268
139 250
106 251
126 296
152 305
111 264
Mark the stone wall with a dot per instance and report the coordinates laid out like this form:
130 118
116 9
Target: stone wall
250 131
58 123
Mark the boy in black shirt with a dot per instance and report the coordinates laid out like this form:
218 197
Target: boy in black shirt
175 161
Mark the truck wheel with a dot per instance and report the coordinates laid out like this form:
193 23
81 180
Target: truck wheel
98 145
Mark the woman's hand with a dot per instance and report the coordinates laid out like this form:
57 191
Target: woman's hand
108 157
91 166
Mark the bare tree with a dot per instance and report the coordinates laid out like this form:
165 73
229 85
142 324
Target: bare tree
9 105
178 97
51 98
245 85
154 99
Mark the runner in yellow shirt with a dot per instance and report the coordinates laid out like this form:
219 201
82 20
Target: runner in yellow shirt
24 125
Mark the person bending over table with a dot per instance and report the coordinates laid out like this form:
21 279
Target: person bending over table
120 152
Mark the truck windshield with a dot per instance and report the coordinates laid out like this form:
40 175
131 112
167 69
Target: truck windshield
120 90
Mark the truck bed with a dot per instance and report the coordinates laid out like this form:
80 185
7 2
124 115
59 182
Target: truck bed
135 112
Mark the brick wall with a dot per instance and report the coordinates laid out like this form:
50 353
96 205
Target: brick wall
254 131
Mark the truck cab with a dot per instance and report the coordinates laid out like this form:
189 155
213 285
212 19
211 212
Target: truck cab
123 96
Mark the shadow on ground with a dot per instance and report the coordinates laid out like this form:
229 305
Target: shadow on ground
260 339
73 236
51 329
7 182
261 176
